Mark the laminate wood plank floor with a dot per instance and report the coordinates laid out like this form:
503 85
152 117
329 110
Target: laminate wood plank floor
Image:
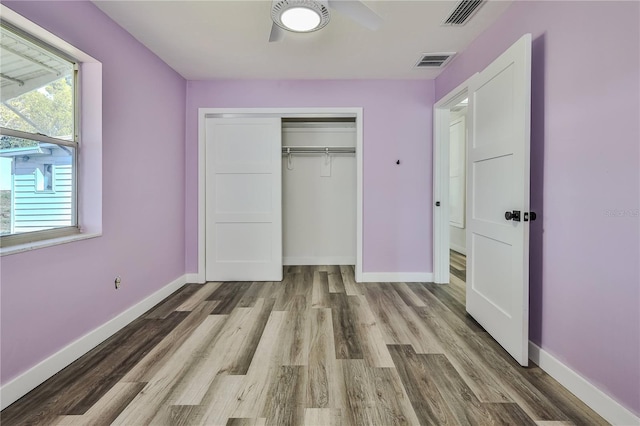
458 265
315 349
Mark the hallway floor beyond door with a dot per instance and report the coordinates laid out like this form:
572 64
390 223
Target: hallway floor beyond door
315 349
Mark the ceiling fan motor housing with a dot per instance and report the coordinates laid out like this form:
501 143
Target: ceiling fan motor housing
281 6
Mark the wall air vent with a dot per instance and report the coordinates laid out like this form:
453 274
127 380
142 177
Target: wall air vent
434 60
463 11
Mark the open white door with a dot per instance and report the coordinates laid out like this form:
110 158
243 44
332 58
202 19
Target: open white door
498 188
243 199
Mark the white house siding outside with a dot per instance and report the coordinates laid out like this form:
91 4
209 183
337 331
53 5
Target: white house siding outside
42 191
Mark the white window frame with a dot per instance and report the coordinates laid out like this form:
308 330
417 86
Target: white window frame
87 209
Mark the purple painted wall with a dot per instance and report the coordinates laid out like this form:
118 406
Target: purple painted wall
397 223
53 296
585 281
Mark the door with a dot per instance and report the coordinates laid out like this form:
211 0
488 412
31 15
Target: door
498 182
243 199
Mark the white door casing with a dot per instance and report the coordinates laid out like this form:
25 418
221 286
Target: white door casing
498 181
441 147
243 199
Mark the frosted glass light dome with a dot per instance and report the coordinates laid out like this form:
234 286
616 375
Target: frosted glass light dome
300 19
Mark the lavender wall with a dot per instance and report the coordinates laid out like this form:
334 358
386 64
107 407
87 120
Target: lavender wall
397 125
53 296
585 281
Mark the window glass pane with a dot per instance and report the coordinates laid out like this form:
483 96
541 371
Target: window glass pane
36 185
36 89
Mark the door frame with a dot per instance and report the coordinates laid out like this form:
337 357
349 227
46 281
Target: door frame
204 113
441 122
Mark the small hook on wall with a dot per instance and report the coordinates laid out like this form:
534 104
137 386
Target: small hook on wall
398 162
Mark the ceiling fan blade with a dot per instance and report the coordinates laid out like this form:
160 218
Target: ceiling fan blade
357 11
277 33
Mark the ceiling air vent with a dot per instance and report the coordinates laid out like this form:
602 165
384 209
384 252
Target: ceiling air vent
463 11
434 60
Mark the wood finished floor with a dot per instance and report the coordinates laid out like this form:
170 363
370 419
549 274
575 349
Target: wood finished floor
458 265
315 349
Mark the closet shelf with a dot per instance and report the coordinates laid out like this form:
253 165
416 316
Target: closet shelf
318 150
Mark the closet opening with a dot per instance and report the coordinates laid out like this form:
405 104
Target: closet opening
319 186
278 187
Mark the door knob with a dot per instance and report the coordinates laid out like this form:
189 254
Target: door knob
514 215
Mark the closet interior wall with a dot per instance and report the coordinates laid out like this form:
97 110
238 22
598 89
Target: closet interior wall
319 194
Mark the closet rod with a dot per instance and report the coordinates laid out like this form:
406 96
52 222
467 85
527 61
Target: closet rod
318 150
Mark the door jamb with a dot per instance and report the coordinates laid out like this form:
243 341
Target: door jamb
441 121
204 113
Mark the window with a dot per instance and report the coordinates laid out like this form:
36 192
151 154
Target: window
38 139
44 178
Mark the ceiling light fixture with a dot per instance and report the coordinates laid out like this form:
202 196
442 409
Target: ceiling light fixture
300 16
300 19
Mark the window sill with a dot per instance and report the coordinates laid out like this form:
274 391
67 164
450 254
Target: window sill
21 248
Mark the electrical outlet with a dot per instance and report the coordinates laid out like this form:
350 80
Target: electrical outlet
117 282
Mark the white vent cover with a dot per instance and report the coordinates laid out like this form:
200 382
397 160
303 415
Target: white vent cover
463 11
434 60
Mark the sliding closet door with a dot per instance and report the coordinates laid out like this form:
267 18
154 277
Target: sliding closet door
243 199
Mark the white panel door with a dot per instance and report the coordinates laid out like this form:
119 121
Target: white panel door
498 182
243 199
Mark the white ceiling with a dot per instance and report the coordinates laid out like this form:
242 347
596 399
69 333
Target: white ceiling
229 39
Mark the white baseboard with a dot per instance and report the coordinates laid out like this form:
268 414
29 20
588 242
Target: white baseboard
397 277
457 248
601 403
294 261
21 385
195 278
